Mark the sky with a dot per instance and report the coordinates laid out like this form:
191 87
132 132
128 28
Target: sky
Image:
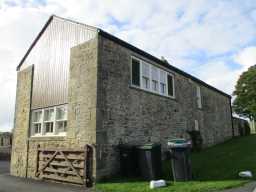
212 40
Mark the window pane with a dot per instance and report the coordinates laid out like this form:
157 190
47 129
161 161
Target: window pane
61 113
154 73
162 88
37 128
135 72
145 70
37 116
162 76
49 115
145 82
49 127
170 85
154 85
61 126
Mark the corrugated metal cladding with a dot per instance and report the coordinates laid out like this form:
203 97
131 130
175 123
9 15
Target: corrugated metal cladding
51 57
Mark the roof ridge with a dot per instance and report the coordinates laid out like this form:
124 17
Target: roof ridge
123 43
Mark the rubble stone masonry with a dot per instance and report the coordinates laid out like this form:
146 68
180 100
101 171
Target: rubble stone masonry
104 110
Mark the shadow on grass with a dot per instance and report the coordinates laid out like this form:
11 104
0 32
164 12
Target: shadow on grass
221 162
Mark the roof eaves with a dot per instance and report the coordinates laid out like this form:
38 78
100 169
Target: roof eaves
155 59
43 30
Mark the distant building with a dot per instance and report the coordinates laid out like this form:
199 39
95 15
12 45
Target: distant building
5 145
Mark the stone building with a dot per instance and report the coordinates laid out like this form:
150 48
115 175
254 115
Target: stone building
5 145
79 85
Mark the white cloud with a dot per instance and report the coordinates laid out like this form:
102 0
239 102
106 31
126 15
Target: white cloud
220 75
171 29
246 57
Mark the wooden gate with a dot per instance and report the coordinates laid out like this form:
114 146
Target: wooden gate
65 165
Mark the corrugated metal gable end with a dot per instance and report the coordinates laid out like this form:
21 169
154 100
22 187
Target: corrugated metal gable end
50 55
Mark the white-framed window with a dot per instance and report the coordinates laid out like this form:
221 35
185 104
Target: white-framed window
151 78
198 97
50 121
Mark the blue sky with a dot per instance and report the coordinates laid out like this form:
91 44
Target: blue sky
213 40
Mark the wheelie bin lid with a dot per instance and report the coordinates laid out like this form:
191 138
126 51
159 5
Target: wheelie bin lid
178 143
148 146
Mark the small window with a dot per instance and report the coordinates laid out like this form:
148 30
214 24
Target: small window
198 97
196 125
135 72
170 85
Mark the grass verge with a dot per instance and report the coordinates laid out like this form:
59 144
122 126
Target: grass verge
215 168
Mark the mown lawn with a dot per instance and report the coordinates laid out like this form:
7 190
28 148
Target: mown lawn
214 169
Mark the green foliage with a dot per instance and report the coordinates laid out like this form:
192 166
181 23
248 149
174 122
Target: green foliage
245 94
214 169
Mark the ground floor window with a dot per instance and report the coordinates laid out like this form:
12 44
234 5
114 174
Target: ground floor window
50 121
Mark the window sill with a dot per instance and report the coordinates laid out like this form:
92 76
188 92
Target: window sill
47 137
153 93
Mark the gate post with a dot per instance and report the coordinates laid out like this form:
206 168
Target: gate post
88 166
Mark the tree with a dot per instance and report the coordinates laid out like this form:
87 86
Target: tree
245 94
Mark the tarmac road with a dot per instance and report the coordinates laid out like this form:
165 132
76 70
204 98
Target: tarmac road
14 184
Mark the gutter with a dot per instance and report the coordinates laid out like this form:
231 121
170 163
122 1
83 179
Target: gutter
159 61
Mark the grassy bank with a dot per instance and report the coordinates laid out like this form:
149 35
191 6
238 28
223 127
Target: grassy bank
214 169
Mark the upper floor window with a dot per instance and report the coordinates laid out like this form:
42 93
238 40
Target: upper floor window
49 121
198 97
152 78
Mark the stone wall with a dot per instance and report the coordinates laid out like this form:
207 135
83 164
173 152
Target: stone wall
21 122
104 110
133 116
81 124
